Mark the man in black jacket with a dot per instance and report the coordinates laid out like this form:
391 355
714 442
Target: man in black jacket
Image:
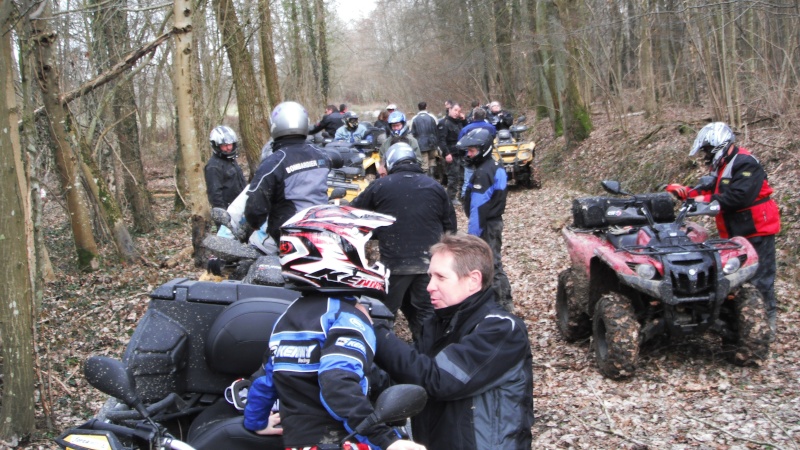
473 358
423 127
500 118
423 214
329 123
449 128
292 178
224 177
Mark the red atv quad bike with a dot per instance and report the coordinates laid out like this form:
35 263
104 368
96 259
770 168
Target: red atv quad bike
638 272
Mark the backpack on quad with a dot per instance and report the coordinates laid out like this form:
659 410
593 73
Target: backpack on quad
638 271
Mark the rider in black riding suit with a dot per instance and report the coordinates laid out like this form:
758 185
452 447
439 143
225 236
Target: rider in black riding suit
292 178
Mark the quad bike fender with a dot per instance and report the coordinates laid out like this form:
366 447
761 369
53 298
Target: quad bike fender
580 247
613 260
741 276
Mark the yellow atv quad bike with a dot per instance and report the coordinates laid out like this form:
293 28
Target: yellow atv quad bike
351 176
517 155
344 185
371 162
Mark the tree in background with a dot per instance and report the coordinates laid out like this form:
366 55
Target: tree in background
16 290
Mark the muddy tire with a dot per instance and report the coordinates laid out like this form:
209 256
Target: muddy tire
751 326
525 178
572 321
616 336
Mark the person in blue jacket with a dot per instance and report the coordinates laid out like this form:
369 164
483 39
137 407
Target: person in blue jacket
322 348
478 121
352 131
485 203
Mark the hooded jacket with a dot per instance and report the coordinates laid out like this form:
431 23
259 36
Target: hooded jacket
474 360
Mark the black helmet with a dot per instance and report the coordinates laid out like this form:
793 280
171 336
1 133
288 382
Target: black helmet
350 120
480 138
397 153
224 135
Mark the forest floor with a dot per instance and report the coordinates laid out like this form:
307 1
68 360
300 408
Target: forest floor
684 394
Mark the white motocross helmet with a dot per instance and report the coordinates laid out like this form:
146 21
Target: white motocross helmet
713 139
323 248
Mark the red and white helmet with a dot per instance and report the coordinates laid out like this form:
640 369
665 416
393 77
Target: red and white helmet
323 247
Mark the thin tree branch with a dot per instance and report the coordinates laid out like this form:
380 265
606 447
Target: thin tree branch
123 65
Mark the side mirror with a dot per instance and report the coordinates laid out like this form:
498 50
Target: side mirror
221 217
613 187
398 402
112 377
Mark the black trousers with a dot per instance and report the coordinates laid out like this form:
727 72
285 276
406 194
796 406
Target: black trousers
493 235
455 176
764 279
409 293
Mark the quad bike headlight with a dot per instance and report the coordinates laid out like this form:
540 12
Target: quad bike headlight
524 155
646 271
731 266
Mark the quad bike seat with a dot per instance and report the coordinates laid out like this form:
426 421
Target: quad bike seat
221 426
504 137
620 240
239 337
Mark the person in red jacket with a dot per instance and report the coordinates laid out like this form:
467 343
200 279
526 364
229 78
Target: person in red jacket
747 207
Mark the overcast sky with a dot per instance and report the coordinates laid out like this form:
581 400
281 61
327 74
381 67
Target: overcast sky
354 8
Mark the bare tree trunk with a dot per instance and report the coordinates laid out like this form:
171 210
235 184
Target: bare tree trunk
43 269
505 68
268 54
322 36
107 207
17 418
577 121
113 32
252 121
646 73
65 156
195 197
203 118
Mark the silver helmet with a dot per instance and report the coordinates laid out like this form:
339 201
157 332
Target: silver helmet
713 139
288 118
224 135
399 152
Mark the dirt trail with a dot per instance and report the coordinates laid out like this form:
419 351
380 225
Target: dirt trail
684 395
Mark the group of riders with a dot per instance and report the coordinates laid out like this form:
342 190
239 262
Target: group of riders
479 396
471 353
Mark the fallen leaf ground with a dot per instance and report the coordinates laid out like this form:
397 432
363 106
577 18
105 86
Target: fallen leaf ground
684 395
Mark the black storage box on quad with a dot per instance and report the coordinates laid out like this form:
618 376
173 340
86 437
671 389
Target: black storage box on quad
188 322
590 212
